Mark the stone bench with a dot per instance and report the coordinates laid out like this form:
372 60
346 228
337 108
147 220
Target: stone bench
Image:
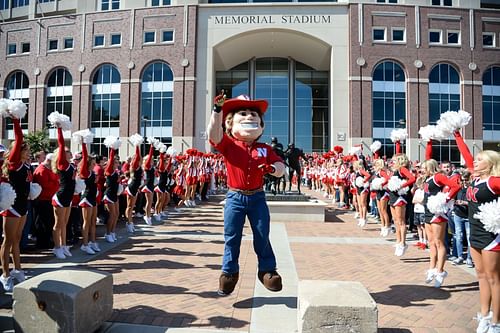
335 306
70 300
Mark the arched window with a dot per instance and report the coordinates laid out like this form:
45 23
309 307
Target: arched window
389 103
157 90
491 108
105 119
59 95
444 95
17 88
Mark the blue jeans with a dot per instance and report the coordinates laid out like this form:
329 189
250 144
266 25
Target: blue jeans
238 206
461 225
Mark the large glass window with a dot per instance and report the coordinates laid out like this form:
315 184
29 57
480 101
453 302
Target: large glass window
18 88
4 4
157 92
388 103
444 95
491 105
59 92
110 4
105 101
20 3
305 99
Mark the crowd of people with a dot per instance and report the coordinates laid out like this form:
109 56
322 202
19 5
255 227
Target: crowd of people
435 198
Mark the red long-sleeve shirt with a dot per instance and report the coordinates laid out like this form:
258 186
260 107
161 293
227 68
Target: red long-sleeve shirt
84 165
110 165
136 160
428 150
48 180
408 175
149 159
15 153
62 161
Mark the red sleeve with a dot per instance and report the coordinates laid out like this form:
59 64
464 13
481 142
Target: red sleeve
408 175
494 184
464 150
386 177
169 164
84 165
428 150
110 165
366 174
149 159
136 161
375 155
15 154
161 163
453 186
398 147
62 162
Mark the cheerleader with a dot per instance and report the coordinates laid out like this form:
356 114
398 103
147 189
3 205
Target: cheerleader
485 245
162 195
61 201
88 200
379 185
112 179
341 174
18 172
135 180
398 186
180 181
191 177
361 183
436 217
148 187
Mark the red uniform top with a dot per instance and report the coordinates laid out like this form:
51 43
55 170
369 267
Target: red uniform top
99 174
242 162
48 180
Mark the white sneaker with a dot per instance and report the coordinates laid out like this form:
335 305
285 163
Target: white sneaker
402 250
7 283
483 322
356 215
18 275
130 228
114 236
109 238
164 214
430 275
362 223
397 250
87 249
494 328
66 251
58 252
386 232
157 217
94 246
147 220
438 280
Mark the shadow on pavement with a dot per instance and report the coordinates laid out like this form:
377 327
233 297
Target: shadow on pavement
152 264
331 217
406 295
257 302
141 287
393 330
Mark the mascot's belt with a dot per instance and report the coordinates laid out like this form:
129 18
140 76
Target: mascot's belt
246 192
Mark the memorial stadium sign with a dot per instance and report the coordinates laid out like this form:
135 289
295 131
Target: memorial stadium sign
272 19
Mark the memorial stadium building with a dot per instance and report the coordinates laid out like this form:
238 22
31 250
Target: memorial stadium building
334 72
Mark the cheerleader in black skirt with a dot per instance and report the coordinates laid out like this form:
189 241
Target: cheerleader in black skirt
148 188
162 195
110 199
132 189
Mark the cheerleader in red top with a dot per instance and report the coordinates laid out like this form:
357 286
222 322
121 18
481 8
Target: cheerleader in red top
148 187
135 181
110 199
435 223
61 201
204 173
485 246
180 181
19 174
382 195
362 190
191 177
162 194
341 174
402 179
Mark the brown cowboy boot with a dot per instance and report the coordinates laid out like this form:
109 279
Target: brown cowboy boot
271 280
227 283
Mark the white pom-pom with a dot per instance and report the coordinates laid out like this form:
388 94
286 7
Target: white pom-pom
162 148
355 150
120 189
375 146
112 142
35 190
395 185
427 132
438 204
79 185
17 109
136 140
85 136
489 215
60 120
360 182
7 196
377 184
452 121
400 134
171 151
4 107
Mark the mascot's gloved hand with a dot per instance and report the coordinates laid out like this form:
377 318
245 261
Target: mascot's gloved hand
218 102
267 168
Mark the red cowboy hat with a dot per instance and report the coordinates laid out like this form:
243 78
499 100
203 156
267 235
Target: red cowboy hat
243 102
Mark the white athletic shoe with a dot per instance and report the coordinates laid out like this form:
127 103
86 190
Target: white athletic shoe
439 279
114 236
109 238
147 220
362 223
58 252
94 246
66 251
7 283
430 275
130 228
87 249
483 322
494 328
18 275
356 215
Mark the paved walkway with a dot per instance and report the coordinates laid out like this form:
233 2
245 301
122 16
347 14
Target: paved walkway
166 276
